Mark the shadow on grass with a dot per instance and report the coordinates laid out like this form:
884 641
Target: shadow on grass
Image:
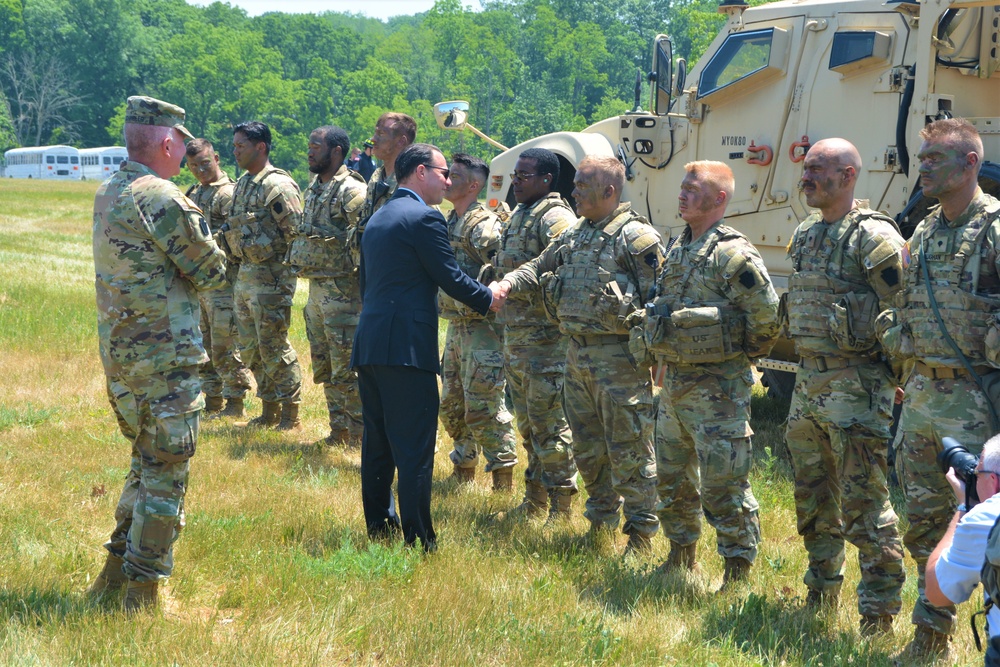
781 631
35 606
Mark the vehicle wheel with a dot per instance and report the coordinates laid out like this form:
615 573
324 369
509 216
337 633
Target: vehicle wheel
780 384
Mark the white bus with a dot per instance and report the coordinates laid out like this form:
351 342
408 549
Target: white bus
100 163
57 162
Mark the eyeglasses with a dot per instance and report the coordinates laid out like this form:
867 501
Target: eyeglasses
445 171
987 472
520 176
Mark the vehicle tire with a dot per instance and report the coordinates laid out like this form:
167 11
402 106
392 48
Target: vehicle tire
780 384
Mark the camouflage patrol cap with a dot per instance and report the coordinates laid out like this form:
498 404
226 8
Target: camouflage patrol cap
143 110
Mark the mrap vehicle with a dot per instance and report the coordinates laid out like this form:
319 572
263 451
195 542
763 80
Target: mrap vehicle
777 78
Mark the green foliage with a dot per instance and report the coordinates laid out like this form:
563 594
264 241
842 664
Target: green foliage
526 66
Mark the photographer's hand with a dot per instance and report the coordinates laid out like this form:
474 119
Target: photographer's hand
957 485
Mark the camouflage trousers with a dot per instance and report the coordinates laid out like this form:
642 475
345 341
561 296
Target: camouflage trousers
703 456
263 296
932 410
225 374
159 413
609 407
838 431
473 405
534 375
331 315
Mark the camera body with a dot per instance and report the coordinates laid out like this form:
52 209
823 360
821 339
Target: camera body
955 455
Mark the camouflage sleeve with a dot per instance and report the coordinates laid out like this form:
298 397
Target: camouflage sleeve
352 200
555 222
881 252
641 255
179 229
526 276
748 287
223 202
285 204
484 238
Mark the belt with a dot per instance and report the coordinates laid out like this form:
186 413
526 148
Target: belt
833 363
598 339
947 373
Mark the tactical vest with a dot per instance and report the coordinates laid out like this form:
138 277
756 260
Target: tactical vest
689 328
320 248
966 314
380 191
253 232
829 310
460 236
518 245
591 293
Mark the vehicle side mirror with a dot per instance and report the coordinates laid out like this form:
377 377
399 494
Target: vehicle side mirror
663 75
451 115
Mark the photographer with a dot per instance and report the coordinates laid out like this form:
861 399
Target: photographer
953 569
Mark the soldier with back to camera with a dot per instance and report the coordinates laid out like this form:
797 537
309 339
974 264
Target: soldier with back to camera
153 251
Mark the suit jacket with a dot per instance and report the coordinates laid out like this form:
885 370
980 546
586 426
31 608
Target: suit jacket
405 258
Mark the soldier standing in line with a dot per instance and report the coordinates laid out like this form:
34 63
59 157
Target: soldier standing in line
225 377
152 251
943 336
393 133
593 280
320 252
846 261
265 215
473 408
534 350
713 312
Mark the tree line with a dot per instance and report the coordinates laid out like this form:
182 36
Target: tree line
527 66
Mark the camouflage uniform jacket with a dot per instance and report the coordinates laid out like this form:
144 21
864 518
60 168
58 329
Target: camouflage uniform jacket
962 260
332 209
152 251
475 238
843 272
525 235
215 201
265 214
380 190
596 274
714 304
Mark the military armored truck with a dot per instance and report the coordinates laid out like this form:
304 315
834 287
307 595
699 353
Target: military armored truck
777 78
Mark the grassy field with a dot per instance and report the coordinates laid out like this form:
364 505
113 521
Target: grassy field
273 566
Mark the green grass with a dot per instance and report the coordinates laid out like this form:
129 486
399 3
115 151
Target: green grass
273 565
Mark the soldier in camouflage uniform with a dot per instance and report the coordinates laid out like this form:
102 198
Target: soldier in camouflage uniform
714 310
956 248
594 277
265 215
393 133
152 251
534 350
473 408
320 253
846 261
225 377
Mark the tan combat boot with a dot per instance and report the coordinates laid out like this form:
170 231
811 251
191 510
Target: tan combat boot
560 507
463 475
270 416
928 647
111 579
816 598
234 408
535 502
877 624
337 437
503 480
289 417
141 595
737 570
213 404
639 544
681 557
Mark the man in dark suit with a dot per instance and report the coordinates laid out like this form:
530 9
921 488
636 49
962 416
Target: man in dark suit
405 258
